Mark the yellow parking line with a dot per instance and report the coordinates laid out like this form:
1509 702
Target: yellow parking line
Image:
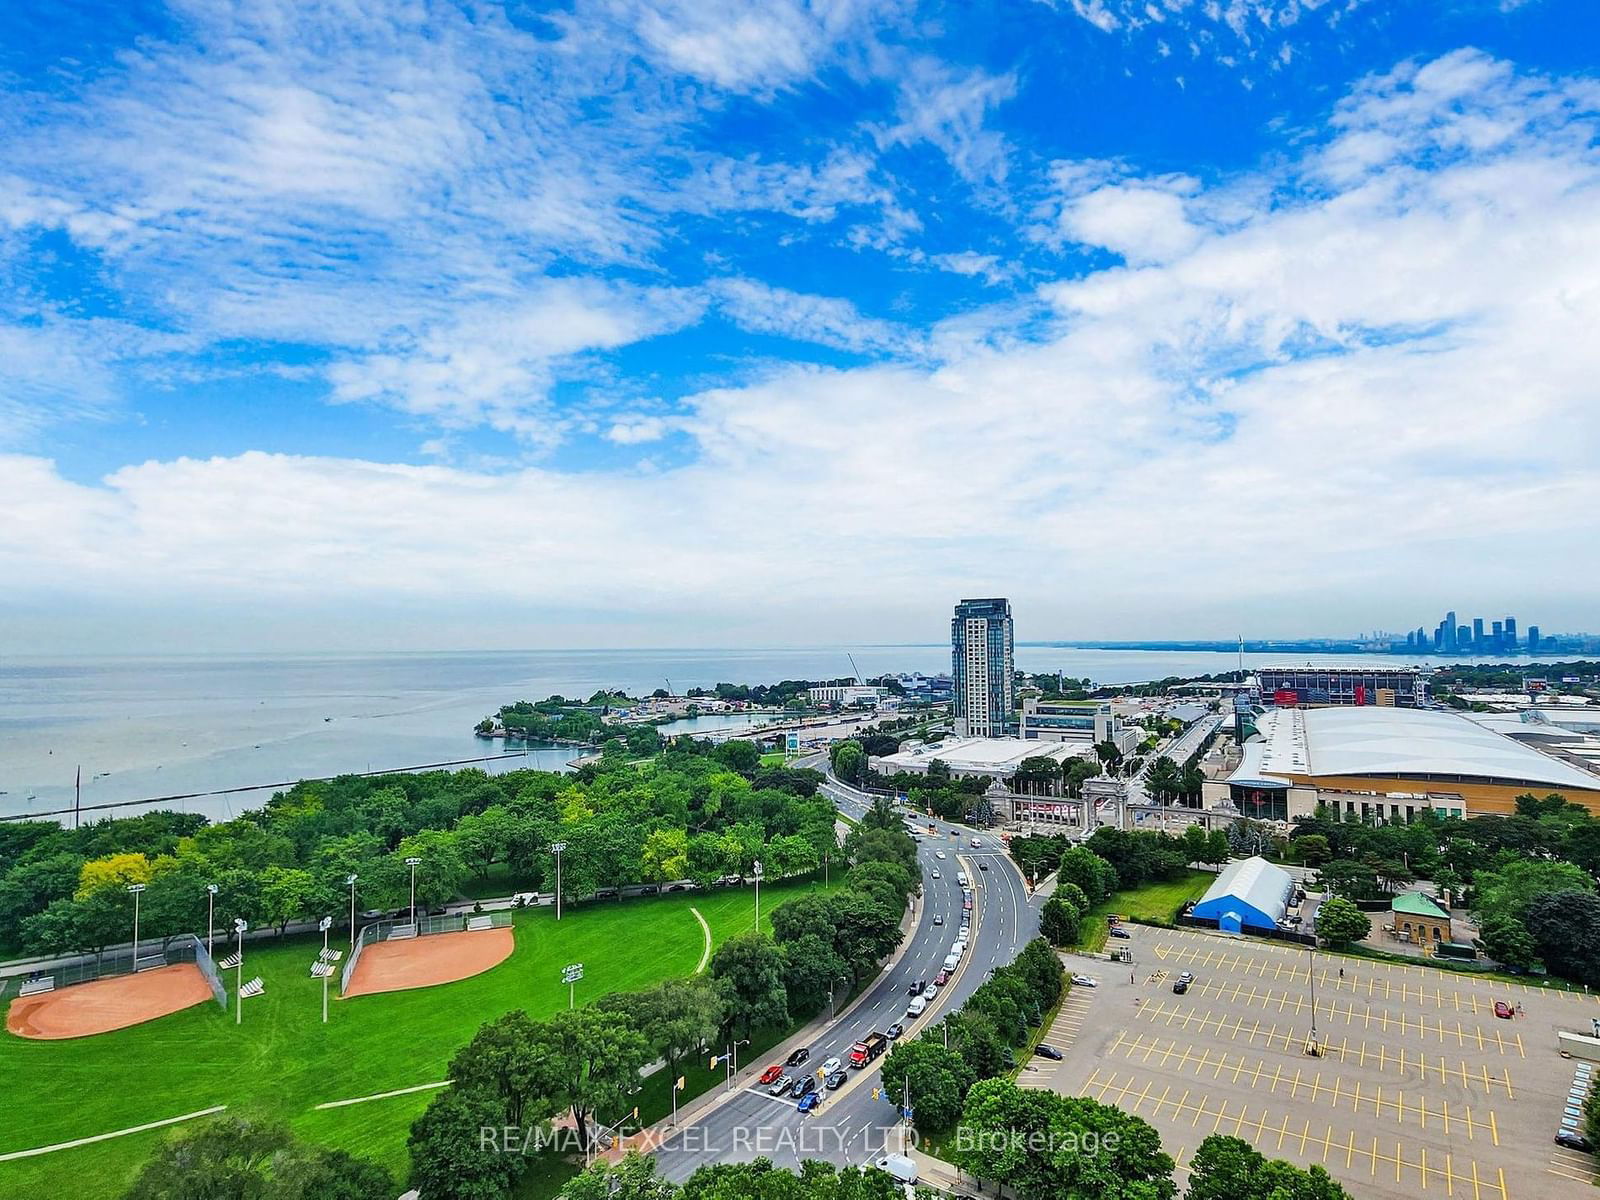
1477 1190
1520 1050
1500 1171
1423 1150
1494 1129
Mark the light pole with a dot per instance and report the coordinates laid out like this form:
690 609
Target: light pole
136 888
211 908
1311 974
350 882
413 863
326 924
758 896
239 926
556 848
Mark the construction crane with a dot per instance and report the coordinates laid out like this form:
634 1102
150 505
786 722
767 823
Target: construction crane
855 668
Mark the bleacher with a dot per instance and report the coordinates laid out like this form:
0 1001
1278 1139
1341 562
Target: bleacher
321 970
36 987
231 962
482 922
330 955
149 962
401 932
254 988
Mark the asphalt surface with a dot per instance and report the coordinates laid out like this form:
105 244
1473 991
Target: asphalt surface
851 1126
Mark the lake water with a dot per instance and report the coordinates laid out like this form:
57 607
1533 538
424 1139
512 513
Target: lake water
169 726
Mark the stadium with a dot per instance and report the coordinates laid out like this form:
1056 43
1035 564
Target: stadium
1382 763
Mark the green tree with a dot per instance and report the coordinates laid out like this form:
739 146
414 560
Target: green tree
1506 940
1229 1168
1059 921
938 1080
595 1057
848 760
1509 889
1339 922
442 870
243 1157
286 894
449 1159
634 1178
749 969
665 856
1093 875
1565 927
1041 1144
504 1059
739 754
677 1017
1073 895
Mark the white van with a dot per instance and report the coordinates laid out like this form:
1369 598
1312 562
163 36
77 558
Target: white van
898 1165
916 1007
961 878
950 961
958 947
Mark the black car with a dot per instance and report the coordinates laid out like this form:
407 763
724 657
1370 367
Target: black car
1047 1051
1573 1141
836 1080
894 1031
798 1057
917 988
983 866
1119 933
803 1086
1180 986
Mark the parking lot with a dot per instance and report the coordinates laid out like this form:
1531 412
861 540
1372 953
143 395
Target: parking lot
1417 1084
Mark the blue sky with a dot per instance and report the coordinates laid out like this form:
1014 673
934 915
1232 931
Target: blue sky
699 321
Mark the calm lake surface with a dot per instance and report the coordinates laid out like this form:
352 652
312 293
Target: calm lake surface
165 726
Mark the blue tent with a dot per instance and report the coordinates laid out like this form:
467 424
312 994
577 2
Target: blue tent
1249 894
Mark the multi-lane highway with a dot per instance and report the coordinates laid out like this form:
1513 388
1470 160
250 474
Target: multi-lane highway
850 1125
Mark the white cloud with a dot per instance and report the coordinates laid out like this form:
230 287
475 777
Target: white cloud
1339 390
948 108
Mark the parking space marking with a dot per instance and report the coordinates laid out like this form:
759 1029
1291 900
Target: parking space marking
1455 1033
1108 1090
1263 1076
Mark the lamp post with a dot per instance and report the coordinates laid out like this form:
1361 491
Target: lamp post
136 888
325 925
758 896
239 926
211 908
413 863
350 882
1311 974
556 848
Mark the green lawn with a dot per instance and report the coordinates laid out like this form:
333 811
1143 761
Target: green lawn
1158 902
284 1061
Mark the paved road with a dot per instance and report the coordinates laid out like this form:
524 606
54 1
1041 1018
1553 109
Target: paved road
851 1126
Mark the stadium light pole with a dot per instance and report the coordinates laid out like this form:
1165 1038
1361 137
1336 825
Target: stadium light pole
136 888
326 924
211 908
239 926
556 848
413 863
758 896
350 882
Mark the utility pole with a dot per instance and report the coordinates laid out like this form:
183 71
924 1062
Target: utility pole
758 896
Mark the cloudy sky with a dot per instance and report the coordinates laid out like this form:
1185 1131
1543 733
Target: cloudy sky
712 322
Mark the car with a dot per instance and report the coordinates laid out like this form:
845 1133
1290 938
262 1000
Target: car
894 1031
1186 977
916 988
770 1074
1047 1051
942 978
929 992
935 873
983 866
803 1086
781 1084
831 1065
976 843
938 853
1120 933
798 1057
1503 1010
938 918
809 1101
1179 987
1573 1141
836 1080
1085 981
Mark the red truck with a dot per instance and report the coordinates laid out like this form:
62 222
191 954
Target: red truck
867 1049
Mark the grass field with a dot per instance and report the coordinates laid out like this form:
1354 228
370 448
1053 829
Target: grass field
283 1061
1158 902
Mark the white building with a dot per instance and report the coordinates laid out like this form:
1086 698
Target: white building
845 695
998 758
1080 721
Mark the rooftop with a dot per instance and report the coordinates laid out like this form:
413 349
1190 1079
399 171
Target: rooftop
1397 742
1419 904
997 755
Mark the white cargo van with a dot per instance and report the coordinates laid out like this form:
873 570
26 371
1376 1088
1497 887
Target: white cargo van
898 1165
916 1007
961 878
950 962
